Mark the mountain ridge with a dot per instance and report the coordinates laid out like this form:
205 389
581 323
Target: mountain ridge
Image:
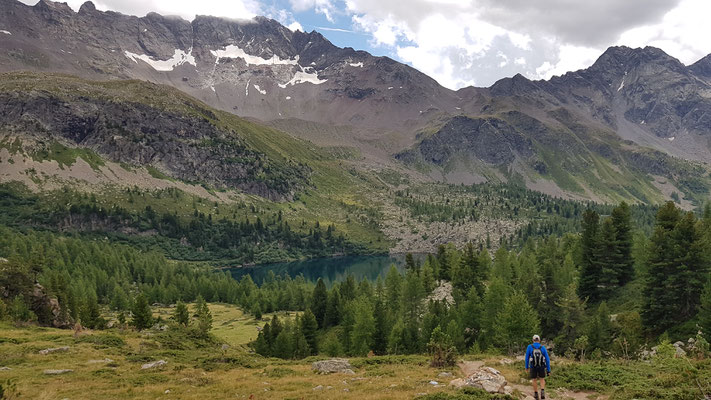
627 102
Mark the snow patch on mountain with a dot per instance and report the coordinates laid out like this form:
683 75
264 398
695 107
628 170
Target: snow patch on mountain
5 32
358 65
180 57
260 90
622 84
303 77
233 51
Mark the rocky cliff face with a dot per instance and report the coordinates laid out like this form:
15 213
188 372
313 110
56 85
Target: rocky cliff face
256 68
178 136
630 100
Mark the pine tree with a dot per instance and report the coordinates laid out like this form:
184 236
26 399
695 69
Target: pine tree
261 345
572 311
676 270
471 314
283 346
468 274
692 267
300 345
624 263
142 315
319 302
600 328
590 269
607 258
309 326
380 335
204 316
348 288
393 289
443 261
410 262
441 349
705 310
180 314
90 314
363 328
333 309
516 323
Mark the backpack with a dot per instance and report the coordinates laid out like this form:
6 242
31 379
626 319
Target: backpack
537 359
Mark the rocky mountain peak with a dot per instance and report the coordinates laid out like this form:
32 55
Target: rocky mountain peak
702 67
87 7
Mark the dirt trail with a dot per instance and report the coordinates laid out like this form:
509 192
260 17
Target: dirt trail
469 367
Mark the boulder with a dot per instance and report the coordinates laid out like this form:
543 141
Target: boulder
154 364
444 375
485 378
331 366
5 368
457 383
54 350
57 371
104 361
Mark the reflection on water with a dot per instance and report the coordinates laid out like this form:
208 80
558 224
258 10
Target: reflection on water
330 269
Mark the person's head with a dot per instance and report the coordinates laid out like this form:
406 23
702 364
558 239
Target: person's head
536 339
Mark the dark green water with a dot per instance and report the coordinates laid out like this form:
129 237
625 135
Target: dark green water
330 269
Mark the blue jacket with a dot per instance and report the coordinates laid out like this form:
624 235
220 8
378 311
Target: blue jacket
529 352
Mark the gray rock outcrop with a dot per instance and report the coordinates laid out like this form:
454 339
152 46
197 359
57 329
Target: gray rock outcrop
331 366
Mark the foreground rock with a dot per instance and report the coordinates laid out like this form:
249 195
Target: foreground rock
54 350
331 366
57 371
486 378
154 364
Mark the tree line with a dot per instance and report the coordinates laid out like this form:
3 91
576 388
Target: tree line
610 290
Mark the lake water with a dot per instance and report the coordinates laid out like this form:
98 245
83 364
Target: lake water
330 269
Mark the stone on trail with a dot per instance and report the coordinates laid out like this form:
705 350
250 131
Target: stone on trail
54 350
333 365
486 378
154 364
57 371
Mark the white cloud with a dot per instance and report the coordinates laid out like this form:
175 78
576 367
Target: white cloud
480 41
295 26
325 7
683 32
570 58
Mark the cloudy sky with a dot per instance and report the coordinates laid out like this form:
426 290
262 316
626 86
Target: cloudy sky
473 42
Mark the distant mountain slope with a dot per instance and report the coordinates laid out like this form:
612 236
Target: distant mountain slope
623 128
256 68
143 124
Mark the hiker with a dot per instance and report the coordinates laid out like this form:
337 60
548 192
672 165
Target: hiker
538 365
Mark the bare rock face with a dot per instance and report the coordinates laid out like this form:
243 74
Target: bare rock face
48 310
331 366
486 378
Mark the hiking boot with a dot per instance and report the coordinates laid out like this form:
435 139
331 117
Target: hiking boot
535 395
543 394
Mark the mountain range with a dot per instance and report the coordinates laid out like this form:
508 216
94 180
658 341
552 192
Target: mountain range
635 125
